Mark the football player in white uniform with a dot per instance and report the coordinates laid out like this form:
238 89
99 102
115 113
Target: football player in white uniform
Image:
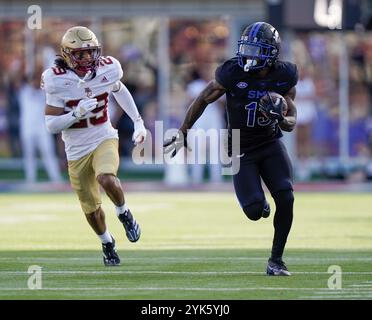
77 91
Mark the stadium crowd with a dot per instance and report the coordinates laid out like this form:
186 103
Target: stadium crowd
195 45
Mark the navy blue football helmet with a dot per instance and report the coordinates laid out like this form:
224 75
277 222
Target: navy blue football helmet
258 47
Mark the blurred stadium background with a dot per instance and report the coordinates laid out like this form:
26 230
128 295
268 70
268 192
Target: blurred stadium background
162 45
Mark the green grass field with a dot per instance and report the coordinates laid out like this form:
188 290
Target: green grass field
193 246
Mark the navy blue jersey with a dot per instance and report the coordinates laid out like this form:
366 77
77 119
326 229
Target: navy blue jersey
243 92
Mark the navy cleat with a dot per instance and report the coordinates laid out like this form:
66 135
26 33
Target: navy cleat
266 210
132 228
276 268
110 256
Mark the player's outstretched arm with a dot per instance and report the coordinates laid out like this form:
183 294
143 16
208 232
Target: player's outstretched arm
126 102
210 93
290 119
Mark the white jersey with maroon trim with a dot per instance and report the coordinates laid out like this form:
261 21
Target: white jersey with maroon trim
64 89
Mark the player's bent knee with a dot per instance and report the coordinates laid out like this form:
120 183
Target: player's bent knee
284 197
98 211
92 215
254 210
107 181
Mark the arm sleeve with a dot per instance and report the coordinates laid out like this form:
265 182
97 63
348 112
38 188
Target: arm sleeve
125 101
56 124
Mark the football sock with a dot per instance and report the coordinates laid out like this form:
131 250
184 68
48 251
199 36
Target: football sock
282 222
105 237
121 209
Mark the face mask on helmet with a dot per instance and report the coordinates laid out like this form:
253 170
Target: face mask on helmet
83 59
86 59
255 55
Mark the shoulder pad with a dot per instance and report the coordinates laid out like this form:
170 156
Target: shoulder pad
111 62
55 79
47 80
288 70
225 71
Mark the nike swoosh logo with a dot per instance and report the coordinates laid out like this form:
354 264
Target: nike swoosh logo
240 155
281 83
275 113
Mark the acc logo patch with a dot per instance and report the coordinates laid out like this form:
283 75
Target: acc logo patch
242 85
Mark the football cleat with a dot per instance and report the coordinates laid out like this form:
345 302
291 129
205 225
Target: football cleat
277 268
110 256
266 210
132 228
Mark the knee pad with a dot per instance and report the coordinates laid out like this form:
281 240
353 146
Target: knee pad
254 210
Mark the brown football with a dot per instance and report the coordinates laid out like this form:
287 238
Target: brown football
275 98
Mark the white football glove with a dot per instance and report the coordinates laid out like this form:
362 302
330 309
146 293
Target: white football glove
139 134
84 106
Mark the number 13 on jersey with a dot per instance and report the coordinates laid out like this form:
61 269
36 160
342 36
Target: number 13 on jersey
251 117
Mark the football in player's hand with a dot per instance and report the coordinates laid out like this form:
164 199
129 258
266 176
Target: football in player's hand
273 103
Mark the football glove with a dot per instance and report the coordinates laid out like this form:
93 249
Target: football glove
84 106
270 109
139 134
175 143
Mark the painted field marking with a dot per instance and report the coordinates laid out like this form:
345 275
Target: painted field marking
197 273
366 259
181 289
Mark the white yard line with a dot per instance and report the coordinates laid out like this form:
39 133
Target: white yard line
361 285
366 259
319 290
347 297
197 273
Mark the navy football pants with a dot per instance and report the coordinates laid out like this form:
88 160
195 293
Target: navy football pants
271 163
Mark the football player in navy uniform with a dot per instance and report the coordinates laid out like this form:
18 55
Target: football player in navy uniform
252 81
